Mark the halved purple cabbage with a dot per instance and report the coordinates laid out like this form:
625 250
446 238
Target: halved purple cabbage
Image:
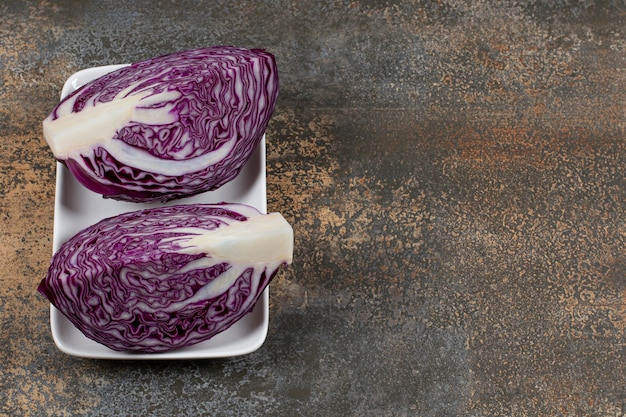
162 278
169 127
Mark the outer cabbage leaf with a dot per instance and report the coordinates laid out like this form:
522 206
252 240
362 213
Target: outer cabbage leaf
162 278
169 127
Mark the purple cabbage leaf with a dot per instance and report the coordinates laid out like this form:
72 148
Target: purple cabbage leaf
169 127
162 278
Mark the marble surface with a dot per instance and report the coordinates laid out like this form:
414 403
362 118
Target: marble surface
453 170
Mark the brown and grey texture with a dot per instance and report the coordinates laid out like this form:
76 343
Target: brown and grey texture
454 172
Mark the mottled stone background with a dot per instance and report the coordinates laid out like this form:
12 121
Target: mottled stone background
454 172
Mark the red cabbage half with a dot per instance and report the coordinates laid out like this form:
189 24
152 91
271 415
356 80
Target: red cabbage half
169 127
162 278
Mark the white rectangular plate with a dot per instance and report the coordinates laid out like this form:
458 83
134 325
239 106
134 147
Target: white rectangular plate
76 207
